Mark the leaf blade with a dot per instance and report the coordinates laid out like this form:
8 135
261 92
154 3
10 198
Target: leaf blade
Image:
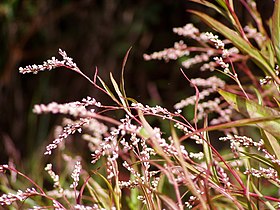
254 110
107 89
275 29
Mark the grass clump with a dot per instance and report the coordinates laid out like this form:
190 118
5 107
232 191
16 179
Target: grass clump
137 165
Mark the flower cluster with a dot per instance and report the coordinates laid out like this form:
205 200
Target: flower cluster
54 177
219 44
75 175
254 34
268 79
220 61
188 131
157 110
241 141
180 49
199 155
142 152
169 148
83 207
51 64
211 47
107 147
189 204
7 199
268 173
95 132
210 85
244 141
204 57
67 130
187 31
224 179
75 109
271 157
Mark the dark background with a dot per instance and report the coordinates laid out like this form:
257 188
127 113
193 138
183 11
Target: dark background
94 34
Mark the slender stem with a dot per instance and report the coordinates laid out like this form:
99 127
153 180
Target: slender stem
236 20
26 177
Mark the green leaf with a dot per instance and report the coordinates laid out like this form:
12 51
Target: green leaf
108 90
256 157
122 74
115 197
143 133
270 53
270 130
272 146
259 96
116 87
98 193
222 3
210 5
275 30
208 154
253 110
238 41
132 199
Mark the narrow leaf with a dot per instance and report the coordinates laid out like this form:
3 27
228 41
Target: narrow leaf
98 193
275 29
108 90
270 53
148 131
122 74
116 87
211 5
253 110
111 190
272 146
222 3
256 157
208 154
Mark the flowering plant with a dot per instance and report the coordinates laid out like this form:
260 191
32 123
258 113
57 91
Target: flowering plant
139 165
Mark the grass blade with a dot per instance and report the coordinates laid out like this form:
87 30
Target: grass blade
121 96
253 110
109 92
210 5
272 146
122 73
208 154
275 29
